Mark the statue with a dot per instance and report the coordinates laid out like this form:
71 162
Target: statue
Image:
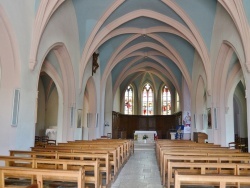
95 65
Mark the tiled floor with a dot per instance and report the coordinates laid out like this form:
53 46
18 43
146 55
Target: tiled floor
141 170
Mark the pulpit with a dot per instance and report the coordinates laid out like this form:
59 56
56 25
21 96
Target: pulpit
172 135
200 137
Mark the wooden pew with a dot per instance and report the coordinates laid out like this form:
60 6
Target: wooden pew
200 168
192 151
104 159
105 165
199 152
196 146
121 155
78 146
114 161
93 144
41 175
243 169
167 144
205 159
40 163
22 153
217 180
129 143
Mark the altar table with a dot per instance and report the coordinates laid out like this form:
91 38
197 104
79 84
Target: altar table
150 135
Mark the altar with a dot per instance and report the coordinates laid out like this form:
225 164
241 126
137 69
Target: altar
150 135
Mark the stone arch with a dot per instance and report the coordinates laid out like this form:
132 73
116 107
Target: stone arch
52 73
237 13
223 96
240 118
137 68
235 101
168 50
90 99
45 11
68 94
200 105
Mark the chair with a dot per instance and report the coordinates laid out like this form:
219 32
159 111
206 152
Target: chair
232 145
109 135
38 141
51 142
45 139
37 138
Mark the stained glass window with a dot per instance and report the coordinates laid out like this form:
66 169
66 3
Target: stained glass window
166 101
147 100
128 98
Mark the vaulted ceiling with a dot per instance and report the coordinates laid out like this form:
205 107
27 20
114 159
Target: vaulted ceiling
154 40
146 40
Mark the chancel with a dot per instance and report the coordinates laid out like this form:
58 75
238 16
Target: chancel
96 79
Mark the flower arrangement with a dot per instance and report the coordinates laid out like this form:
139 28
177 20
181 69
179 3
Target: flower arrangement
145 137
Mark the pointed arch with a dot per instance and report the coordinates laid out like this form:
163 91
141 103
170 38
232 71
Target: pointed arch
140 68
129 100
147 99
133 15
159 48
235 9
67 88
165 100
46 9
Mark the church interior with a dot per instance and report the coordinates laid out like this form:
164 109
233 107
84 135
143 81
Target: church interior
135 81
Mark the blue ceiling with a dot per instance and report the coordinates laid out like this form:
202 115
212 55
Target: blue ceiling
201 14
89 12
246 4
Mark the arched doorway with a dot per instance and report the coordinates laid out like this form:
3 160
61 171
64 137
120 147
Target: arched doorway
240 114
90 115
228 94
57 64
200 106
47 109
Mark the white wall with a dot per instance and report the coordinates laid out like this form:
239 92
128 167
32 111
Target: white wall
40 125
116 104
224 30
108 106
201 99
51 112
10 75
61 28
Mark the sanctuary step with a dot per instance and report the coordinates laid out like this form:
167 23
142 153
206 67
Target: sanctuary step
144 146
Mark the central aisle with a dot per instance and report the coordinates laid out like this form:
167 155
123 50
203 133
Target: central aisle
141 170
